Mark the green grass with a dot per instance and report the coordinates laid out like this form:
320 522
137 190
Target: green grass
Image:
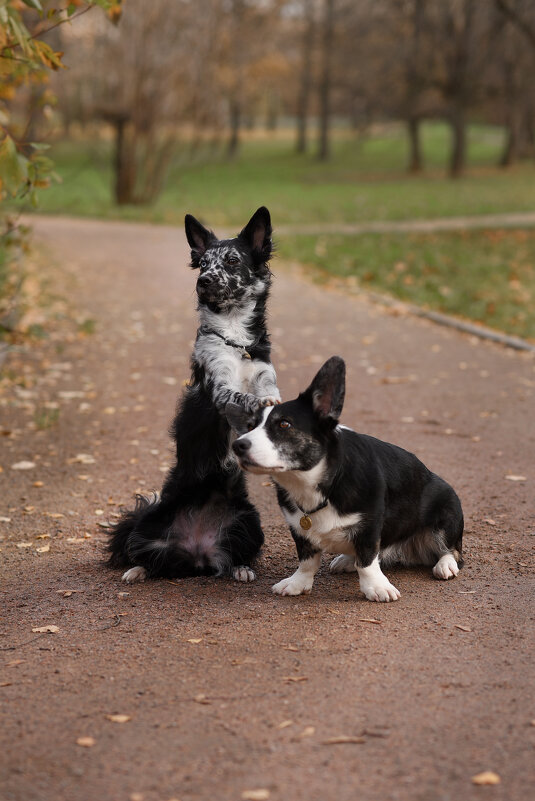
365 180
486 276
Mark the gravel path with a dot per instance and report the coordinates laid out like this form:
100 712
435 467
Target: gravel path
228 689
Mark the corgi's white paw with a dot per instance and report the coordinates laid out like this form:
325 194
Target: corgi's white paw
343 564
446 567
134 574
243 573
379 590
293 585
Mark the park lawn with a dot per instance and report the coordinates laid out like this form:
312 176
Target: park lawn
485 276
365 180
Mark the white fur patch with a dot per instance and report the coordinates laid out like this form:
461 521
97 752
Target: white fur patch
302 580
262 451
343 564
375 585
446 567
243 573
134 574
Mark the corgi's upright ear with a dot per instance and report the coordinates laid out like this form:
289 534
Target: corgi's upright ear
327 390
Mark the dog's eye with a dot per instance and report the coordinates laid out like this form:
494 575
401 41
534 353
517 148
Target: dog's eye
203 263
250 427
284 424
232 260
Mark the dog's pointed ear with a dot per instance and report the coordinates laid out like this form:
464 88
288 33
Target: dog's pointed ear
240 420
199 237
327 390
257 235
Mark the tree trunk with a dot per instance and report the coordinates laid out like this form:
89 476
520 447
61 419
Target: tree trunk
306 77
415 146
235 124
458 150
124 162
325 83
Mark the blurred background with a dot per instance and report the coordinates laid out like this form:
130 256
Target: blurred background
331 112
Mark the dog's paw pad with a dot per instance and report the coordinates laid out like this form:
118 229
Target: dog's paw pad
446 567
343 564
243 573
292 586
134 574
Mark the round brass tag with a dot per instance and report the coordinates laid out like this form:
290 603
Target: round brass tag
305 522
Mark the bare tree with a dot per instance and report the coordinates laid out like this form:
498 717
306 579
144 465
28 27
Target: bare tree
305 73
325 79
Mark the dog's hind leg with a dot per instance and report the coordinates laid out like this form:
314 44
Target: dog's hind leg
343 564
241 544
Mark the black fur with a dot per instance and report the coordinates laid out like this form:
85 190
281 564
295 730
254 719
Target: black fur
203 523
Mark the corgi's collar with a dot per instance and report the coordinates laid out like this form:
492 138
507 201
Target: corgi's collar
306 521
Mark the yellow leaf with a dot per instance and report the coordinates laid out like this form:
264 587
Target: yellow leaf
86 742
118 718
487 777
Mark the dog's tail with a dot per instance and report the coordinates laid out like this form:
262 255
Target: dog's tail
121 533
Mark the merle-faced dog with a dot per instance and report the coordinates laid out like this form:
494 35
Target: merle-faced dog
349 494
203 523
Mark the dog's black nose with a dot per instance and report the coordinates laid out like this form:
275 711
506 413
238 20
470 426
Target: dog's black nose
204 281
241 446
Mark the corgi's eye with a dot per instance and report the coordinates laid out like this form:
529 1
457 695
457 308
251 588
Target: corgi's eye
232 260
284 424
250 427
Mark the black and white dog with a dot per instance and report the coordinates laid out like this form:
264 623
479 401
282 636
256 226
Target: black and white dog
349 494
203 523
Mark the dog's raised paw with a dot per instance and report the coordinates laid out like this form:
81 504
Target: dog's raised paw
134 574
343 564
243 573
446 567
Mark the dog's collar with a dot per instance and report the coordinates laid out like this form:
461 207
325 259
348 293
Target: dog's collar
305 522
244 352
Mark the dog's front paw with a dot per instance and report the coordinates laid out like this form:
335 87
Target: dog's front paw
379 590
446 567
293 585
243 573
270 401
134 574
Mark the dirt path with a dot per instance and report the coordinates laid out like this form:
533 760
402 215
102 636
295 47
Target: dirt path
230 689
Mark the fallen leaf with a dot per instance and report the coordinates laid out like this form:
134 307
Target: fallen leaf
308 731
44 629
6 683
295 678
23 465
54 515
462 628
99 512
136 797
169 380
284 724
43 549
82 458
489 520
370 620
14 662
38 484
255 795
5 520
487 777
195 640
202 699
86 742
515 478
291 648
43 537
24 544
343 738
118 718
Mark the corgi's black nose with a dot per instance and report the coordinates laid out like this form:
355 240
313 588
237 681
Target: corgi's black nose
241 446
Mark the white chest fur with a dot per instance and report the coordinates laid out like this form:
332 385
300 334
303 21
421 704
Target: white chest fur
329 530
